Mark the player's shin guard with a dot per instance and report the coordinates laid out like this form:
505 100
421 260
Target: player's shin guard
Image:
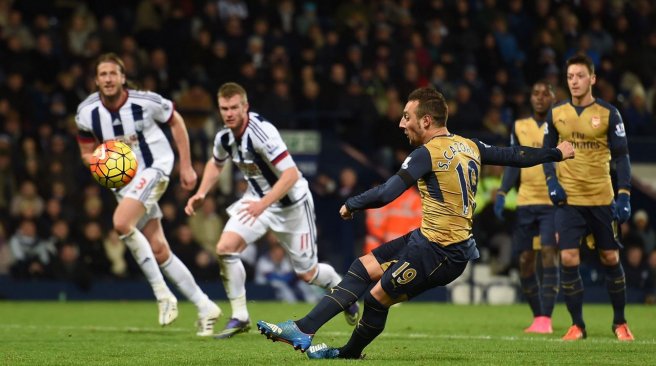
369 327
353 285
531 290
616 286
326 277
572 285
179 274
233 276
143 255
549 289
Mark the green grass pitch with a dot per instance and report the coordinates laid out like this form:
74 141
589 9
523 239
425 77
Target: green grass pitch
127 333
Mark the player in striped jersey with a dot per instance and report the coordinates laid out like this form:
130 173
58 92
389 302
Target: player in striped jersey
278 199
118 113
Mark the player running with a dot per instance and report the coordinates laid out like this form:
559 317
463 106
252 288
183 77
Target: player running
446 169
132 116
278 199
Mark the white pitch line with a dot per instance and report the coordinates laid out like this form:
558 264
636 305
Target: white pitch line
330 333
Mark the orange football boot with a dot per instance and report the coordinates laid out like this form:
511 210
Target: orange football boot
574 333
622 332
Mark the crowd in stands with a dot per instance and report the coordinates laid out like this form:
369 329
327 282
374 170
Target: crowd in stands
340 67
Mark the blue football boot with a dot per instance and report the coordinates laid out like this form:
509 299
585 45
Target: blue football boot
286 332
322 351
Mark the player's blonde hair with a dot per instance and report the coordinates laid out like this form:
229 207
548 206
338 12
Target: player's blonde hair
110 57
228 90
432 103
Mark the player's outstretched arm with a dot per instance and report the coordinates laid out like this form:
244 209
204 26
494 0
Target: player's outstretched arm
523 156
211 174
416 165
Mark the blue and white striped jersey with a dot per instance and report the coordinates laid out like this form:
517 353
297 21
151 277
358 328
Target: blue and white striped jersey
261 155
134 123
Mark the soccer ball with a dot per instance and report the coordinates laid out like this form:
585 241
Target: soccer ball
113 164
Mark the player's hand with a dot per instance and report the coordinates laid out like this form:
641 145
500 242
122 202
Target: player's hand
345 213
499 204
188 178
193 203
556 192
622 211
567 149
250 211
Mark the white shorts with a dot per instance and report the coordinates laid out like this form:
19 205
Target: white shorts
294 227
147 187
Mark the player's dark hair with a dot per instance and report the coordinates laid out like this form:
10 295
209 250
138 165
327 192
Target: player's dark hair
432 103
547 85
229 90
581 59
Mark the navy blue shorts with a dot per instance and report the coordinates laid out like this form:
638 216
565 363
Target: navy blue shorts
574 223
534 220
413 264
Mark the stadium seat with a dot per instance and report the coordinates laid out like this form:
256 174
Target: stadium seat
461 294
501 294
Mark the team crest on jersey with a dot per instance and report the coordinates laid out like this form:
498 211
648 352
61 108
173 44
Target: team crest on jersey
595 121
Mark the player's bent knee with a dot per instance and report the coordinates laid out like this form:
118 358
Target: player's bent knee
609 257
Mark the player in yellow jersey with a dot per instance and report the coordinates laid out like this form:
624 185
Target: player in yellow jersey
535 215
596 130
445 167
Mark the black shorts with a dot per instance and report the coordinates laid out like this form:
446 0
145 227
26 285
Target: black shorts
413 264
534 220
573 223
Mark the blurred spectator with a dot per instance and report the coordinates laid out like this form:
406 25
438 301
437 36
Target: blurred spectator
273 268
68 266
92 250
115 252
27 203
637 273
393 220
206 225
644 230
32 255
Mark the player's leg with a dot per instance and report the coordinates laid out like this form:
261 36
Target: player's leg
363 272
179 275
420 267
236 235
296 230
571 228
604 230
127 214
550 274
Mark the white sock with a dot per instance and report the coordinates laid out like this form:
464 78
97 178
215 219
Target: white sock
143 255
326 276
233 275
183 280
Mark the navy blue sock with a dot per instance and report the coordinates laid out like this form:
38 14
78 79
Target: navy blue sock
353 285
616 286
369 327
570 281
531 290
549 289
